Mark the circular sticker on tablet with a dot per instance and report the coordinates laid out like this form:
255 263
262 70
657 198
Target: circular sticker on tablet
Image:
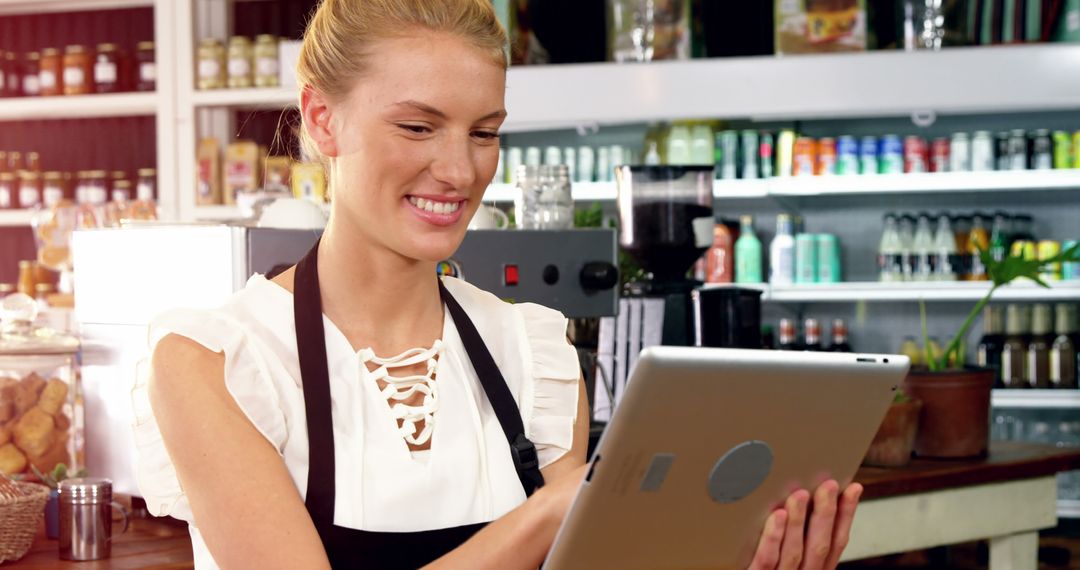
740 471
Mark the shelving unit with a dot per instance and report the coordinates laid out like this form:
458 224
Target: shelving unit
11 7
15 218
79 106
1039 399
904 292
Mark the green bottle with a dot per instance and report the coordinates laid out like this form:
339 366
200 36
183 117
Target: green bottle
747 253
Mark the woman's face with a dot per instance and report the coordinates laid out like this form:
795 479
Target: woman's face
417 143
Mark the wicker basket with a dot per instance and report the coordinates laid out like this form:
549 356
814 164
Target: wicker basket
20 517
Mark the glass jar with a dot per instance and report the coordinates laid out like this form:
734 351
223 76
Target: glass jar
240 63
33 161
648 31
97 187
146 186
41 406
145 67
29 189
51 77
107 69
78 71
8 191
52 192
12 75
211 65
121 191
266 61
31 79
544 201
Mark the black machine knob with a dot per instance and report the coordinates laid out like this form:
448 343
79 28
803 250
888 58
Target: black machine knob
551 275
599 275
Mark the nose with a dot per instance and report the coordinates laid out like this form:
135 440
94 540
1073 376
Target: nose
454 163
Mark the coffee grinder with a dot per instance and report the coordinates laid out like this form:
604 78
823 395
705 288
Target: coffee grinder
666 224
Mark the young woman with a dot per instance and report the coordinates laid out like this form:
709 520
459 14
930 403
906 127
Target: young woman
283 428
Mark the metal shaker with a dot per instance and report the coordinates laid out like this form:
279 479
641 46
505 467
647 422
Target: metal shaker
86 518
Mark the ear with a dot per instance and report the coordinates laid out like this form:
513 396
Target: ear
315 110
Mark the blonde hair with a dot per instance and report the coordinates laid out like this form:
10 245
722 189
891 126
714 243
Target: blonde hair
333 54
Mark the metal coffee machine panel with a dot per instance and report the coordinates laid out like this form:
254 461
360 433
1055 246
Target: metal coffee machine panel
573 271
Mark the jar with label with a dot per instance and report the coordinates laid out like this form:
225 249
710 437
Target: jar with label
53 190
12 75
3 75
145 67
146 186
40 400
51 77
97 187
107 69
266 61
240 63
31 80
121 190
8 191
211 66
33 161
29 189
78 71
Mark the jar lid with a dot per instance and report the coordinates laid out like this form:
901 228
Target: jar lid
33 56
118 174
122 184
18 335
10 56
239 40
106 47
9 176
7 288
53 175
96 174
75 49
147 172
209 42
28 175
266 38
144 46
85 490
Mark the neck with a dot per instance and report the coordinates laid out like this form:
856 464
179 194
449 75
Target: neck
375 296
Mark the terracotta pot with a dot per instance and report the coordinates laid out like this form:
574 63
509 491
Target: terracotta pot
955 419
895 439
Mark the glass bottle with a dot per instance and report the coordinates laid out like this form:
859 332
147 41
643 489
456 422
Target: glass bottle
890 252
9 191
944 250
907 239
719 259
51 78
988 354
1037 371
747 253
145 66
31 80
999 236
1014 352
78 71
13 74
1063 354
978 240
266 61
787 338
107 69
241 74
812 331
782 252
839 337
922 246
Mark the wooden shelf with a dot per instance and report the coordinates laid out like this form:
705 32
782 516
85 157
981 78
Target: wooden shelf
16 218
13 7
78 106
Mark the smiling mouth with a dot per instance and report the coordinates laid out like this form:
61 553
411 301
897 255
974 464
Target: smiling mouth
433 206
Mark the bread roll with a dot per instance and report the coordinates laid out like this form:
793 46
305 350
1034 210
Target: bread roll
34 431
11 460
52 397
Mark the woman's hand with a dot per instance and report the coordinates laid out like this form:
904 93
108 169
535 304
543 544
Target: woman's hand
789 542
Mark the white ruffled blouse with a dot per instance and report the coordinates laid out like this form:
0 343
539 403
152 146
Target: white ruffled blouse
468 476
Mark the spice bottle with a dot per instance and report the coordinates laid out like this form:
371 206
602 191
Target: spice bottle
78 71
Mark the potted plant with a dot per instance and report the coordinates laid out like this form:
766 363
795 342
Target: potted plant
895 438
955 420
52 507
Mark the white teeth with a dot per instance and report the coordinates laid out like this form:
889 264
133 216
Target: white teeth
442 208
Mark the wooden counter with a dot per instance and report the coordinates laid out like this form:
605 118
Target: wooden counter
1007 498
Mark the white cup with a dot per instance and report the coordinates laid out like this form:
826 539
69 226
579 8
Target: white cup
489 218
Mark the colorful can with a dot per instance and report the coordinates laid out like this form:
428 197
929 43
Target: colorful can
828 258
1062 150
1042 150
1071 269
806 261
847 155
803 158
1025 249
868 155
826 157
749 155
890 155
939 155
916 155
729 144
982 152
959 153
1076 149
1018 150
1046 250
766 156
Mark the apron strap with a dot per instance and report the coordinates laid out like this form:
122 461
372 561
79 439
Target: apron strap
523 451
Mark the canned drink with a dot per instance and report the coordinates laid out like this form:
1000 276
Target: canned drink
1062 150
1046 250
552 155
1042 150
766 152
826 157
533 156
960 153
847 155
569 156
916 155
586 165
749 155
982 152
1070 269
1025 249
939 155
1076 149
890 155
868 155
604 169
828 258
514 158
729 143
1018 150
802 163
806 261
619 157
1002 152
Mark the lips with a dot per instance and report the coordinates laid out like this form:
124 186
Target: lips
437 211
434 206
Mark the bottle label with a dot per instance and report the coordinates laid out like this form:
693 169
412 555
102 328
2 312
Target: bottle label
32 85
267 66
28 196
208 69
120 196
782 271
104 72
148 72
1055 366
239 67
74 76
145 191
48 80
52 196
5 199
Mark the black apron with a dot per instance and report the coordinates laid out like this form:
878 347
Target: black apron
350 548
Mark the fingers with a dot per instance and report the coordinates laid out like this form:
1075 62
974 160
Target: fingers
791 551
819 535
768 550
844 518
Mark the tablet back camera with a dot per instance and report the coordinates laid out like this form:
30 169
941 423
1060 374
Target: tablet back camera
740 471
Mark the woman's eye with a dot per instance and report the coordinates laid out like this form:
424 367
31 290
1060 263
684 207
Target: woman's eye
486 135
416 129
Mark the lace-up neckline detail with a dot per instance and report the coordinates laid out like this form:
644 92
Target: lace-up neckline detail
398 389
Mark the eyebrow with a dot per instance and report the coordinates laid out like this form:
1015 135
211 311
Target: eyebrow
433 111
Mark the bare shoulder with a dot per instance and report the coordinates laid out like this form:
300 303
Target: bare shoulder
285 279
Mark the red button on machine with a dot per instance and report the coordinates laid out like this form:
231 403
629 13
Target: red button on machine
510 275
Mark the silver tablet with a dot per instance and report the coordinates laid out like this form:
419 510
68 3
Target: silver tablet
707 442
